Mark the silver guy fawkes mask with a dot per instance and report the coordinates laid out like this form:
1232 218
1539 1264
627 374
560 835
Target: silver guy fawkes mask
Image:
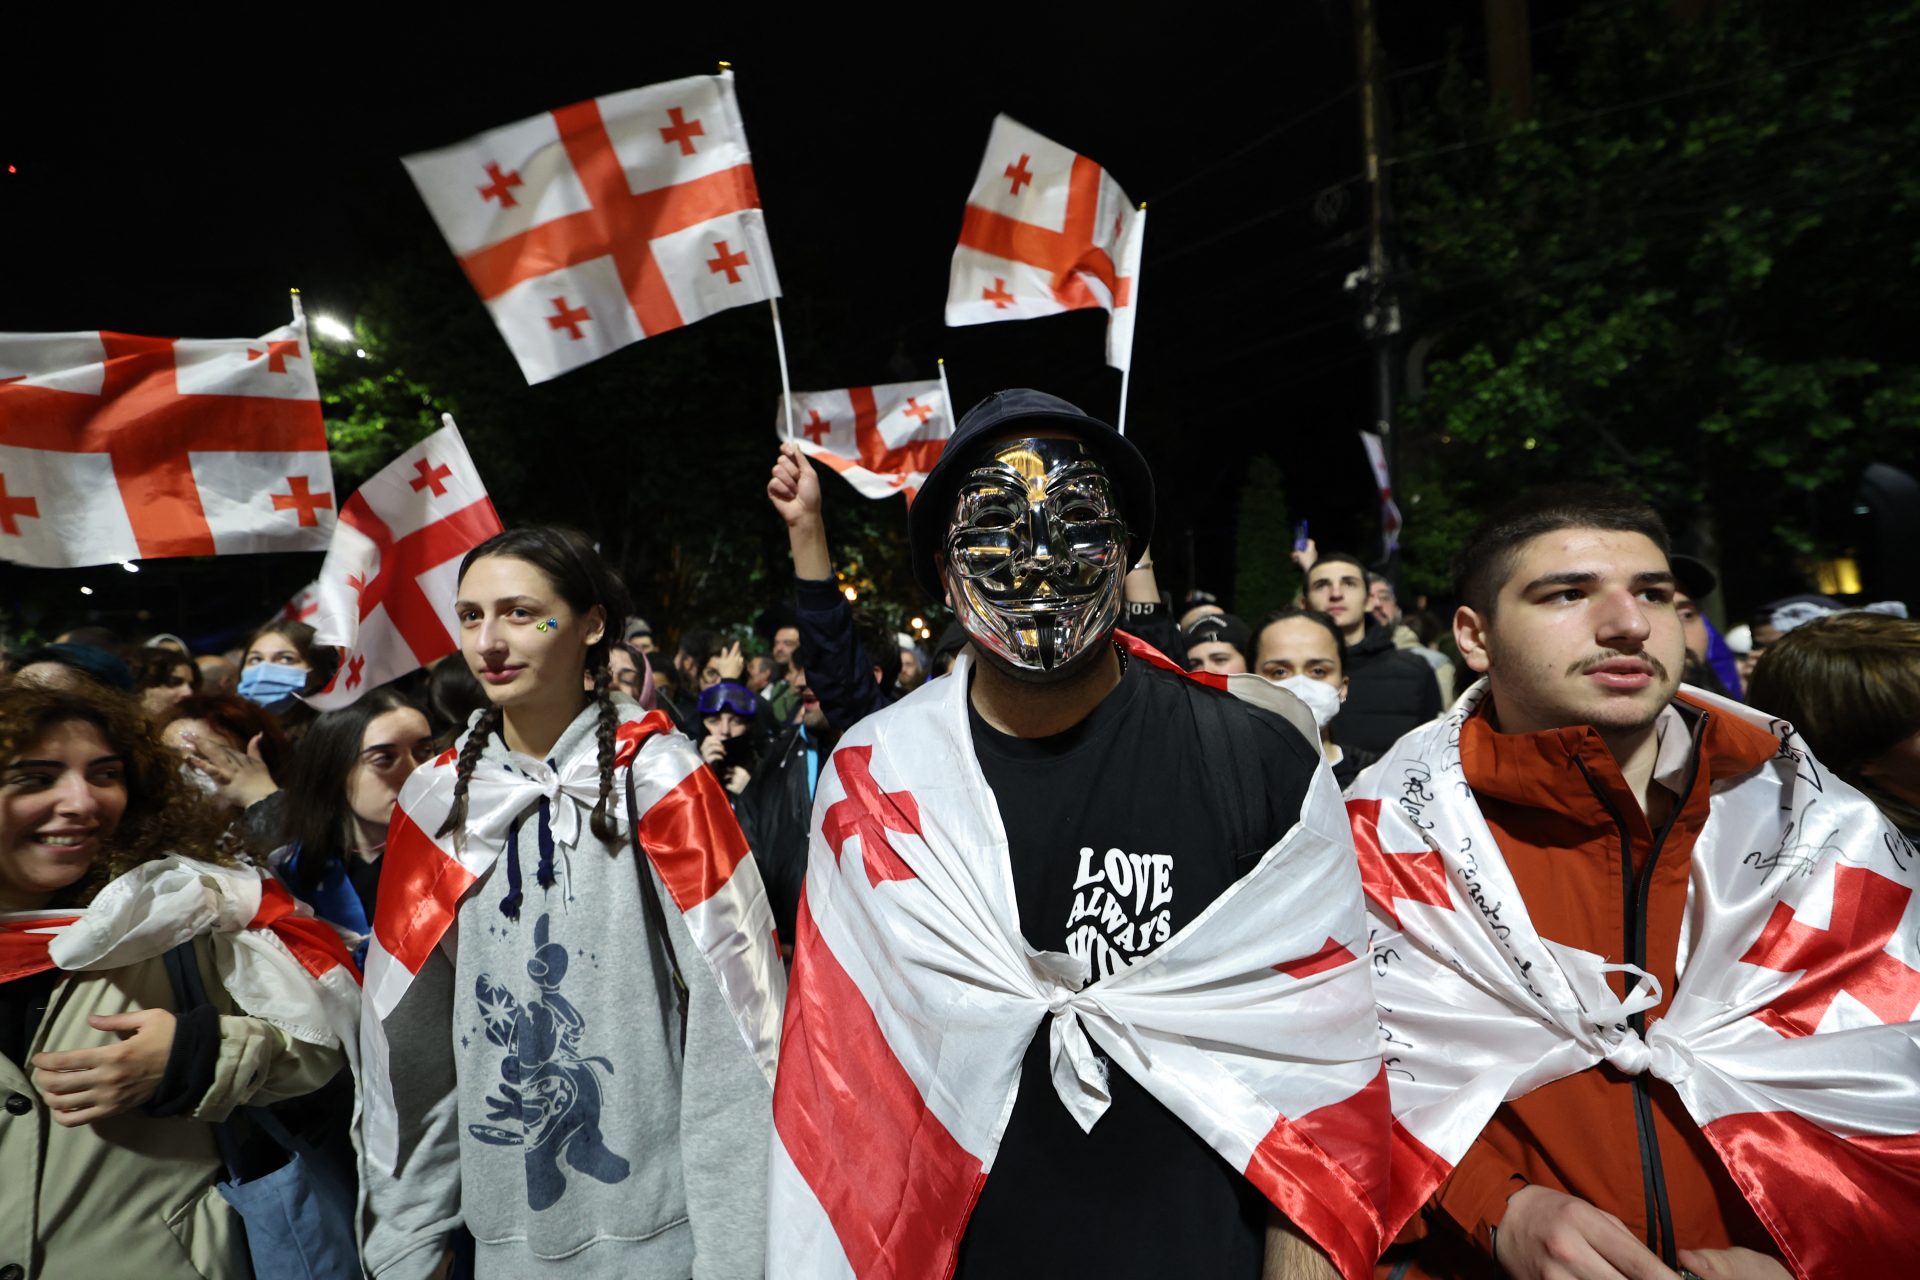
1036 552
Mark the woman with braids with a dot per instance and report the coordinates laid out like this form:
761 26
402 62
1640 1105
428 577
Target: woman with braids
110 1085
584 1080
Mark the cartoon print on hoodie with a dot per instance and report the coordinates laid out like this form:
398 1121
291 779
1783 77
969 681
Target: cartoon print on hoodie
545 1084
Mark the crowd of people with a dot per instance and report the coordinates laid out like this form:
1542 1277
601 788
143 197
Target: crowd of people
576 862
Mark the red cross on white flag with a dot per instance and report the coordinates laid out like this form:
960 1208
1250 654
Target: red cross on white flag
1046 231
593 226
115 447
387 587
883 440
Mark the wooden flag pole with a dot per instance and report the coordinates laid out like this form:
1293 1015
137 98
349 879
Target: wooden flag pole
946 392
299 313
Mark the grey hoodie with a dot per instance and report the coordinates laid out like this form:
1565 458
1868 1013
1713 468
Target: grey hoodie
560 1120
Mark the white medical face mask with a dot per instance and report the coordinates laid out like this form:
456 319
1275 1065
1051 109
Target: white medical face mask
1321 698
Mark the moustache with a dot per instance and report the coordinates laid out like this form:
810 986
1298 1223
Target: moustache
1585 665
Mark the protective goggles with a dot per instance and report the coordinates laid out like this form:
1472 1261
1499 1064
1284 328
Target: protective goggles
731 696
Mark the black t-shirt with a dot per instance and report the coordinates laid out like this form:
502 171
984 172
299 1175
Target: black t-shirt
1120 831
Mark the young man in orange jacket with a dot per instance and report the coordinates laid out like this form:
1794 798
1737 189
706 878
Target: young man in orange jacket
1594 778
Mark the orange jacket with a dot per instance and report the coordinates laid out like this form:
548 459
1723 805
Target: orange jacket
1595 874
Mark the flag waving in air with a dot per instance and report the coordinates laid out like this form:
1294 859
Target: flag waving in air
883 440
115 447
1046 231
599 224
386 590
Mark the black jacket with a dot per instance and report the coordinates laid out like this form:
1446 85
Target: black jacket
839 669
1389 691
775 812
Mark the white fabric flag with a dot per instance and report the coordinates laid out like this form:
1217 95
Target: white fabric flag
915 995
883 440
386 589
1790 1038
593 226
116 447
1389 509
1046 231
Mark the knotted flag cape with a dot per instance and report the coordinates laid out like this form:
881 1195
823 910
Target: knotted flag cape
915 996
685 828
277 962
1789 1039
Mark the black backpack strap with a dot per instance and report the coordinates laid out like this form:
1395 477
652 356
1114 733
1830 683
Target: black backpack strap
656 912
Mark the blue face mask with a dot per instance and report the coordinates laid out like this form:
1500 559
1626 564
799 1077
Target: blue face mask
267 682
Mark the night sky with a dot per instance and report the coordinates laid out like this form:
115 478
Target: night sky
180 186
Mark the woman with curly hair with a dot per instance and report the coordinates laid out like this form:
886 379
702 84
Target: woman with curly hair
111 1088
573 989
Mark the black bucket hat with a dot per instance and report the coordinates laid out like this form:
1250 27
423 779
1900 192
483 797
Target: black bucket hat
1003 415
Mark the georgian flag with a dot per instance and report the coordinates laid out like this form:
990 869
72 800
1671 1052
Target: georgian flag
915 996
115 447
275 959
1791 1038
690 839
386 590
599 224
882 440
1046 231
1389 509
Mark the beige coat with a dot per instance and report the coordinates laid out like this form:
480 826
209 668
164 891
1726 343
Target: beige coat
132 1195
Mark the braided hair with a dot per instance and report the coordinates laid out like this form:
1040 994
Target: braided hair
584 580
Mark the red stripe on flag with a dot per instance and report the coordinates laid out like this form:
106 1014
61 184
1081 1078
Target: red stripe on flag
693 839
1411 877
1835 1206
1331 955
629 737
1065 254
621 223
147 426
1417 1170
418 621
23 950
915 455
895 1184
1327 1172
314 943
420 890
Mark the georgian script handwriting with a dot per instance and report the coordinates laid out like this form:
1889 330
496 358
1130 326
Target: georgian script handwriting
1477 894
1416 794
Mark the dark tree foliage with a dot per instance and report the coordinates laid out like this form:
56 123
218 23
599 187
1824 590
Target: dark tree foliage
1688 272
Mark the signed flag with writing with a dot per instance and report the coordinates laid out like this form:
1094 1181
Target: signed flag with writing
1790 1038
593 226
1046 231
387 587
115 447
883 440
